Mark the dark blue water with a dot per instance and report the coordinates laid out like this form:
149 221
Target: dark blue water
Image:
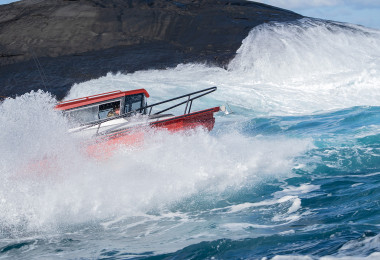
338 188
328 205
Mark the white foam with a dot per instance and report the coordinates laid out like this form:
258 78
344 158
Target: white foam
292 257
352 250
162 170
296 204
373 256
361 246
242 226
307 48
287 232
290 68
311 64
297 191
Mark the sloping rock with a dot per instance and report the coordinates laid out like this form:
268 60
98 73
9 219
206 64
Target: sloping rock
76 40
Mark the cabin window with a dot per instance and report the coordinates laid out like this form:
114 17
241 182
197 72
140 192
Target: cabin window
83 115
133 102
109 110
94 113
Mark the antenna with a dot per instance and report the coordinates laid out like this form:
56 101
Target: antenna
40 70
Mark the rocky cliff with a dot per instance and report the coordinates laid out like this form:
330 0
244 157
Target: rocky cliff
76 40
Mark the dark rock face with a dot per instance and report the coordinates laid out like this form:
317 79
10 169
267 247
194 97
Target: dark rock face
76 40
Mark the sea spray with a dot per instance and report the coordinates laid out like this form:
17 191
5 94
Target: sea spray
307 50
71 187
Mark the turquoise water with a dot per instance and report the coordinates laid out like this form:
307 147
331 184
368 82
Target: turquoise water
292 173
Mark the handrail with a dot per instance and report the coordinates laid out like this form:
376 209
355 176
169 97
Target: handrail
189 100
207 90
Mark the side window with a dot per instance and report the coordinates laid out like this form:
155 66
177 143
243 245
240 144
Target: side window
94 113
109 110
83 115
133 102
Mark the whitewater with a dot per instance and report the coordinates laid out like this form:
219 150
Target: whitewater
292 173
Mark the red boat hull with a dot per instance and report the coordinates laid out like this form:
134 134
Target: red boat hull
104 145
204 118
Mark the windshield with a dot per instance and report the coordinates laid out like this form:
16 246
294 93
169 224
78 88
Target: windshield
133 103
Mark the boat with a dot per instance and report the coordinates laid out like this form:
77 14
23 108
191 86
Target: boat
120 117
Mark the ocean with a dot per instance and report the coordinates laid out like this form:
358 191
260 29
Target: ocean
293 172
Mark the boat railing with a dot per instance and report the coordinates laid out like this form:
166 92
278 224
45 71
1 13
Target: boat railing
188 102
143 110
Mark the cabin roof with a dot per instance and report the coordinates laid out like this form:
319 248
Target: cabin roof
78 102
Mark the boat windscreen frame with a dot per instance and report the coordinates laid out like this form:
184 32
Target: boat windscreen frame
142 101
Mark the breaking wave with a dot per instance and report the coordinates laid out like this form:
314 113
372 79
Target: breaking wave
280 69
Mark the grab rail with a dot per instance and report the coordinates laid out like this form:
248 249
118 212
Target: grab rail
189 100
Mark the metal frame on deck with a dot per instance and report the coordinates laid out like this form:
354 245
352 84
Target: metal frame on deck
188 101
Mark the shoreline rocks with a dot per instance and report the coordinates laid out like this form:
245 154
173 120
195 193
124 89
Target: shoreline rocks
77 40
